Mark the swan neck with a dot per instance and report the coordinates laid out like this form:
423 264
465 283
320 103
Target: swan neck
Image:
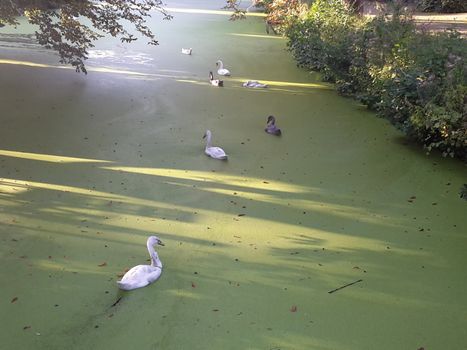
208 140
221 65
155 261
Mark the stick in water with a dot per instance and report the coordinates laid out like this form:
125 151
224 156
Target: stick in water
347 285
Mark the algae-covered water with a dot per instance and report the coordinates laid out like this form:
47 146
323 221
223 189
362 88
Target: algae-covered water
92 165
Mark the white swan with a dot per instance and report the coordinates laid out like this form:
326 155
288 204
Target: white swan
213 152
222 70
142 275
187 51
254 84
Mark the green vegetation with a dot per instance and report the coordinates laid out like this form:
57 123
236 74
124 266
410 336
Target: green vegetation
442 5
417 80
61 23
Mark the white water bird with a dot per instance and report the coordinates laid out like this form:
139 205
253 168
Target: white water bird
212 151
221 70
142 275
271 127
215 82
187 51
254 84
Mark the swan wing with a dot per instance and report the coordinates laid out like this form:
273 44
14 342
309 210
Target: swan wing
139 276
223 71
216 152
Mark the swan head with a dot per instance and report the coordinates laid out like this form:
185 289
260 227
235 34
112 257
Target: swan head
271 120
153 240
218 62
207 134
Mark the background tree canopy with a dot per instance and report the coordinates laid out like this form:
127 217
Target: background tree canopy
61 28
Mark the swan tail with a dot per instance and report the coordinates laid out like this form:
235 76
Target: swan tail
123 285
129 286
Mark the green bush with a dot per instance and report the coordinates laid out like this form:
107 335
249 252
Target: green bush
416 80
449 6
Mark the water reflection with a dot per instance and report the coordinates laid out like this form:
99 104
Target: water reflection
125 56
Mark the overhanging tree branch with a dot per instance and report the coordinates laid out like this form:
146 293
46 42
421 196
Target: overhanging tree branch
60 25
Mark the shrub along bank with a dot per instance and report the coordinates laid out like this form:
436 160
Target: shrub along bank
417 80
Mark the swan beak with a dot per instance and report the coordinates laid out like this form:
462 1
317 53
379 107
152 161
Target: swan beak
204 136
159 242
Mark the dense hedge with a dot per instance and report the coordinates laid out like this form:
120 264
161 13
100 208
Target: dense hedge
442 5
417 80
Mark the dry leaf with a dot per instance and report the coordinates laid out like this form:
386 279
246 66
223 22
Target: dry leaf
14 300
293 308
103 264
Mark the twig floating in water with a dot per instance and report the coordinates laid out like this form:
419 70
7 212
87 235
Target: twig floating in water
347 285
118 300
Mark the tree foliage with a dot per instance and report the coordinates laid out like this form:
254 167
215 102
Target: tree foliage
61 23
442 5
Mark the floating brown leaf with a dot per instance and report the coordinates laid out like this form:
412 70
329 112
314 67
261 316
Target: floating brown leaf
193 285
103 264
14 300
293 308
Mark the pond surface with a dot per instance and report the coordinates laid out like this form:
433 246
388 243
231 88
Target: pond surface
92 165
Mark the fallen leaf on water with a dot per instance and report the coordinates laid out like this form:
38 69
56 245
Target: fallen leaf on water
215 310
293 308
103 264
14 299
193 285
26 327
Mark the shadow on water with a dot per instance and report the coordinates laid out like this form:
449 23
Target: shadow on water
91 165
